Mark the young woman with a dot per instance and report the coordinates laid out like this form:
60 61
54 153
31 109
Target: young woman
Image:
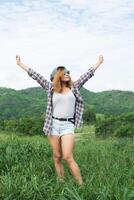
63 114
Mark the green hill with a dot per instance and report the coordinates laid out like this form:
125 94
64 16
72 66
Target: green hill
33 101
22 103
109 102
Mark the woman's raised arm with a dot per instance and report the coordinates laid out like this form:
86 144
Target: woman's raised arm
36 76
99 62
87 75
18 62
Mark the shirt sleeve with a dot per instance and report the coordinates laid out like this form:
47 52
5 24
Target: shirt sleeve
39 78
84 78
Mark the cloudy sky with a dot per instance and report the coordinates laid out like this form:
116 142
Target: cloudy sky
73 33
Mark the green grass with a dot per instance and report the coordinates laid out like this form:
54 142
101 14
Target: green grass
27 169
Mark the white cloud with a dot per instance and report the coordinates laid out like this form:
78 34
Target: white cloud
71 33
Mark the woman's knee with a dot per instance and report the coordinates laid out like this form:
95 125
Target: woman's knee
68 158
57 157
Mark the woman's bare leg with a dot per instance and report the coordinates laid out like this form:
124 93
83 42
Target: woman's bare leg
67 143
55 143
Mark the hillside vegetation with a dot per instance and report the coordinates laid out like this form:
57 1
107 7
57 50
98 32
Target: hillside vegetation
33 101
104 148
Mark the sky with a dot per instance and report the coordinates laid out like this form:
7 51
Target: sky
73 33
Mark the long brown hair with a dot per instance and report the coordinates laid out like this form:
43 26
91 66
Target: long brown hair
57 82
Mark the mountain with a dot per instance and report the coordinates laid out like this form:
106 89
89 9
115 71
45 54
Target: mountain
33 101
22 103
109 102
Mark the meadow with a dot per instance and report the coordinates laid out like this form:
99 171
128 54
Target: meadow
27 168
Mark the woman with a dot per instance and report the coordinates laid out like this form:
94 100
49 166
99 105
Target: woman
63 114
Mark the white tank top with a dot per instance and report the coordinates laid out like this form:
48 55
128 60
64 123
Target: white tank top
63 105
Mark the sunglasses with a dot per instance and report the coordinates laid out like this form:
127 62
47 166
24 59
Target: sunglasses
66 72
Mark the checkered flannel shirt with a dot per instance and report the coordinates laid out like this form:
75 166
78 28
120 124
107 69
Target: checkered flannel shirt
47 86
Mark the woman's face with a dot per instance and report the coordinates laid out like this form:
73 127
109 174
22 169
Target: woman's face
66 76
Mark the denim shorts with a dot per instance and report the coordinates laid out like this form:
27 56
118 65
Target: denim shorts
61 128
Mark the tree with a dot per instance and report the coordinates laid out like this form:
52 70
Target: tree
89 115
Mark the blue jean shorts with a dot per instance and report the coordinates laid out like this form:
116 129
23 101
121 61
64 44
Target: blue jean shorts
60 128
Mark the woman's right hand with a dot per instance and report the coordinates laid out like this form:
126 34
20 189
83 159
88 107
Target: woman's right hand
18 60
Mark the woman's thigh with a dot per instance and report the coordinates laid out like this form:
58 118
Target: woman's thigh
55 143
67 144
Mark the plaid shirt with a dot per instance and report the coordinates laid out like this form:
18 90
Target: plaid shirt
79 106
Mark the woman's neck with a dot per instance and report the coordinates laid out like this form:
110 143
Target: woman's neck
64 85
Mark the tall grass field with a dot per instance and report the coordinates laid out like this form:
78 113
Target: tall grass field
27 169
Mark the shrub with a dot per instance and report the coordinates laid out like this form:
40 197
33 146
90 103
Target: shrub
89 115
125 131
26 125
120 126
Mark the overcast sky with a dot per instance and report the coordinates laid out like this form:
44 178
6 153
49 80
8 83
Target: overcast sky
73 33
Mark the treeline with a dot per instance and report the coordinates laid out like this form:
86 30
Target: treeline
106 125
119 126
34 125
27 125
